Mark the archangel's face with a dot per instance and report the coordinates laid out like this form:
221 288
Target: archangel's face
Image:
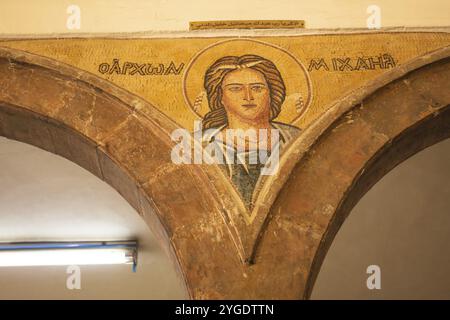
246 95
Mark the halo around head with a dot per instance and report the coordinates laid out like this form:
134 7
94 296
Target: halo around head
294 74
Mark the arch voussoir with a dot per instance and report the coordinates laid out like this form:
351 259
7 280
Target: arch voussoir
364 143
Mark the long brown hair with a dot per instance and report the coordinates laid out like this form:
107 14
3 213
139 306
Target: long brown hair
215 74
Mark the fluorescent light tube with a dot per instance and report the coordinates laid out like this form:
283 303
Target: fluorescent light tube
57 254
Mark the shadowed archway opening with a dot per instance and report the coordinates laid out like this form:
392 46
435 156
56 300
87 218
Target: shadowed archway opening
402 226
45 197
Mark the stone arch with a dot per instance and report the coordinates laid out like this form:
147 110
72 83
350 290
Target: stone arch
360 139
125 141
115 135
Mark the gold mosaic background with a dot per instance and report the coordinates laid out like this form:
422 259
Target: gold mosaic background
166 92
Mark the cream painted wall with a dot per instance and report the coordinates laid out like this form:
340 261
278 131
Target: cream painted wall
49 16
44 197
402 225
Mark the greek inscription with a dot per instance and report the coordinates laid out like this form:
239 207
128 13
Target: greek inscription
345 64
140 69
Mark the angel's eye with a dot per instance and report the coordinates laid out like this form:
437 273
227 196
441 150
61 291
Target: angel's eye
258 88
235 88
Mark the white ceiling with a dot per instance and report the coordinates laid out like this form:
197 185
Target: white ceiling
44 197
